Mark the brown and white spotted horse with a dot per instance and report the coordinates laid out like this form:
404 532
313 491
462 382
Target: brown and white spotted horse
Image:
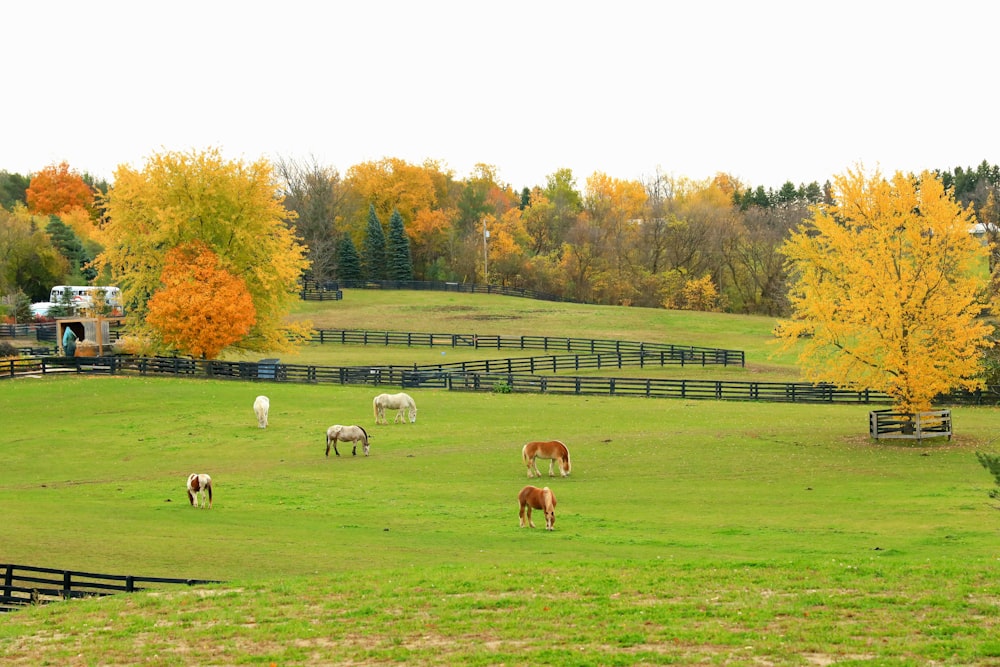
199 490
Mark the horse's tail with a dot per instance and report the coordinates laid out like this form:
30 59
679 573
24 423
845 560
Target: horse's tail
375 407
569 465
208 487
524 454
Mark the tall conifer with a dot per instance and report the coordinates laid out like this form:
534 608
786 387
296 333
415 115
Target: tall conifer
400 262
373 264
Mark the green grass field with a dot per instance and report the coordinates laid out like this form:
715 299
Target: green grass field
690 532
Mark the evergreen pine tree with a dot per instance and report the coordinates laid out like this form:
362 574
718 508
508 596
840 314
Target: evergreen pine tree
400 262
373 264
348 261
65 240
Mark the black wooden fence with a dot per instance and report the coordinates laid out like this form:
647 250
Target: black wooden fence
24 584
680 354
43 331
450 377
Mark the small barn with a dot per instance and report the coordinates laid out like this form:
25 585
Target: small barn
84 336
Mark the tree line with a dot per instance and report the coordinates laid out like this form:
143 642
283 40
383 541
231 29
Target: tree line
662 241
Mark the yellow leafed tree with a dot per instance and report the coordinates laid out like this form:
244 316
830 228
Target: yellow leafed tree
887 290
231 207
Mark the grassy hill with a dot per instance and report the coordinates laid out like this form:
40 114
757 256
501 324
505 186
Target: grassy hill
441 312
689 531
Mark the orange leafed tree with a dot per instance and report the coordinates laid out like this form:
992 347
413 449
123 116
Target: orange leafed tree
202 308
56 190
888 289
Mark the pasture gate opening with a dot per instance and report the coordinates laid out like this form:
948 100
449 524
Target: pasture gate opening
24 585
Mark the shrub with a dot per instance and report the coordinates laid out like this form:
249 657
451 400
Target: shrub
501 388
7 350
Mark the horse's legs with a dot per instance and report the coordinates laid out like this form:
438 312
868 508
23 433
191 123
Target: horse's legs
335 450
354 449
552 462
526 514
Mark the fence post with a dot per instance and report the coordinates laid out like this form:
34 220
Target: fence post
67 585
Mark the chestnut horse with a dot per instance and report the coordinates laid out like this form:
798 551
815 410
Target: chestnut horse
531 497
199 490
352 434
553 450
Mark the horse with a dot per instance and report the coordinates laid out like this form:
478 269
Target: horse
553 450
199 490
346 434
401 402
531 497
261 406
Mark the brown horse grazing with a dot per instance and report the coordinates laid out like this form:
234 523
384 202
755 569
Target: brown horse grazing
531 497
199 489
353 434
553 450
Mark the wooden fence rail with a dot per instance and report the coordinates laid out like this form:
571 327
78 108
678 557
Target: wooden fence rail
682 353
474 377
25 584
453 377
674 353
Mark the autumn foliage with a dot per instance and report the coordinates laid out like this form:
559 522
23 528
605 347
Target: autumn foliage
888 290
202 308
181 200
56 190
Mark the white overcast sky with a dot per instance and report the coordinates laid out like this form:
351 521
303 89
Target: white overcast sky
766 91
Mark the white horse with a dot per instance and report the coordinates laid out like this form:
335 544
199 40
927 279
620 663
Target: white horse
401 402
261 406
199 490
352 433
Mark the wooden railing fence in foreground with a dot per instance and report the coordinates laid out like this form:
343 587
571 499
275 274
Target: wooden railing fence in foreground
25 584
